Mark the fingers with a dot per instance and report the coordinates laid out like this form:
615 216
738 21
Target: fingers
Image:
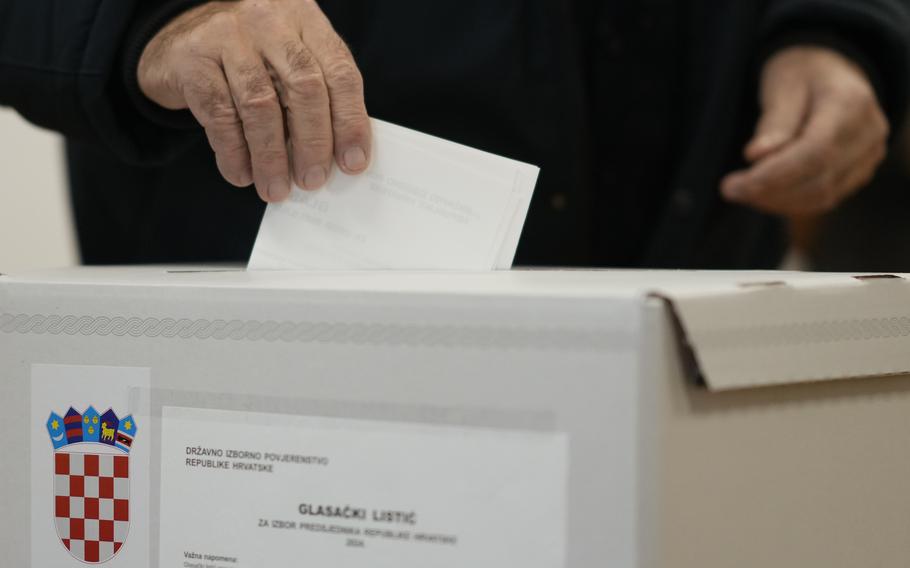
785 107
305 99
849 166
257 104
792 165
350 121
209 99
821 137
862 175
778 183
322 93
266 80
812 174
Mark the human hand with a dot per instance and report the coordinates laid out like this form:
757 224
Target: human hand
269 80
821 137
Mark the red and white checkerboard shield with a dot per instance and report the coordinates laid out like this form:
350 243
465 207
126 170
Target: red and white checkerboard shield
92 500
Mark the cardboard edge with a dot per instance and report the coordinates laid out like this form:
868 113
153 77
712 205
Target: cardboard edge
688 354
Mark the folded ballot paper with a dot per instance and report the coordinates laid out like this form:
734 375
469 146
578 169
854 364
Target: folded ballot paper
424 204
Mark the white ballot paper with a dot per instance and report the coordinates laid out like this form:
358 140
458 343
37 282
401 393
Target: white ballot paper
424 204
251 490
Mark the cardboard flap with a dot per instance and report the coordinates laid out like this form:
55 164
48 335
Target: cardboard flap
795 328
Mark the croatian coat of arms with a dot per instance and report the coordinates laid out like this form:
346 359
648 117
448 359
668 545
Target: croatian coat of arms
92 481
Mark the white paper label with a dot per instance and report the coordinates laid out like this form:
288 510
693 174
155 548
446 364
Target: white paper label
90 439
259 490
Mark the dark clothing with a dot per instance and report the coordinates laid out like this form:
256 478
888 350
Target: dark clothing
634 110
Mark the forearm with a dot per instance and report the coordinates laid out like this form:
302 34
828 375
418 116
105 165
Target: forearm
60 67
42 60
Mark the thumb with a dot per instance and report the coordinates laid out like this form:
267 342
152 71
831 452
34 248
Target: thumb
785 106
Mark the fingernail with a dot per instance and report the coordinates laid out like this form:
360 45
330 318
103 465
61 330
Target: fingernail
355 159
279 188
315 178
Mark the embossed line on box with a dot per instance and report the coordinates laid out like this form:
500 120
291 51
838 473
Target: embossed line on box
409 335
804 333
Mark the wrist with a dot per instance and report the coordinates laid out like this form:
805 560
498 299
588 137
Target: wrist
827 40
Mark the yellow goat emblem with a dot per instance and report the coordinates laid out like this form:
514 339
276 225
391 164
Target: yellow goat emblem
107 433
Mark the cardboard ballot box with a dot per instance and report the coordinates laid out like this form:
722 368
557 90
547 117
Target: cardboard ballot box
156 417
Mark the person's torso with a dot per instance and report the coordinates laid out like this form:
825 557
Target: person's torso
611 99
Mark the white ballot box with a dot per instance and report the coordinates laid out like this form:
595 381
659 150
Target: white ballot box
220 418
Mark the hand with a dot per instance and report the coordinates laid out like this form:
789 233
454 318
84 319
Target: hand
822 135
274 86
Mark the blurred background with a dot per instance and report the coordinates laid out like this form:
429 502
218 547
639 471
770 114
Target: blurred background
36 228
869 233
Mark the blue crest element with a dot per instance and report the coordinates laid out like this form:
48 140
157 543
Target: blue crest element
91 425
126 433
75 428
56 430
109 424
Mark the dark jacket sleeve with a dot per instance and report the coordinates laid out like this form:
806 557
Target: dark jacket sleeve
61 67
874 33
